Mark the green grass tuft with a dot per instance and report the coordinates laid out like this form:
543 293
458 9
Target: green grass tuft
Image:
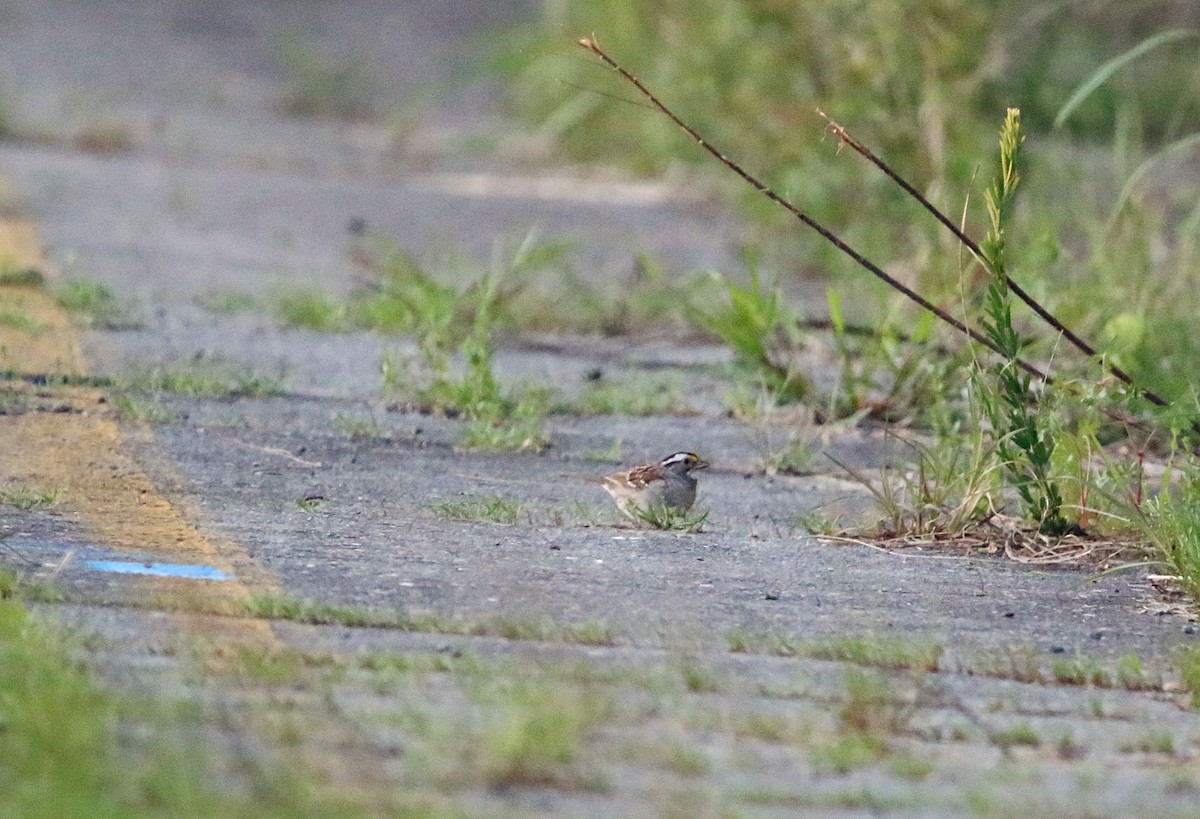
1189 672
320 85
22 496
532 733
68 747
878 652
1021 734
201 378
1079 671
286 607
309 310
661 516
658 395
12 275
1171 522
97 305
485 508
762 333
17 319
229 302
449 324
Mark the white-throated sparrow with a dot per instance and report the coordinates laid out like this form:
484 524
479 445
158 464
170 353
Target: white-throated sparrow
667 483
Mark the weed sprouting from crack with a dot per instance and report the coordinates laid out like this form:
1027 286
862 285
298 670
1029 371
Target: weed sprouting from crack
485 508
871 651
1188 661
752 321
447 323
661 516
97 305
198 377
1171 522
1018 426
286 607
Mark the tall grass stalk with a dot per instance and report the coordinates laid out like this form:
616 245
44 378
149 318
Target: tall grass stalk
1022 437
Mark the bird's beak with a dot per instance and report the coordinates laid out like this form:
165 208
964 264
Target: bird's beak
701 464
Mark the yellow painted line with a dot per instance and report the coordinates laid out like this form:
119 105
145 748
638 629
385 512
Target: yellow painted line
19 246
35 334
79 455
48 345
68 440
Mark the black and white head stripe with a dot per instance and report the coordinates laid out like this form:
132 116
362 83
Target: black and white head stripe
688 459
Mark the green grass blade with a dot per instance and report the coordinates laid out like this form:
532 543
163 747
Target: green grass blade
1102 74
1142 169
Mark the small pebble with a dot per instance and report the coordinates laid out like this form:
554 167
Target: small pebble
1057 650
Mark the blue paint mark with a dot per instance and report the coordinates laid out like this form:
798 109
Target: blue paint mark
183 570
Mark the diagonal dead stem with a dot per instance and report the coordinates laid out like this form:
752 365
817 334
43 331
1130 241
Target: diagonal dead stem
831 237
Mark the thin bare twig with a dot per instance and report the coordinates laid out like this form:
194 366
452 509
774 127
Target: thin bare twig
274 450
843 137
591 45
893 552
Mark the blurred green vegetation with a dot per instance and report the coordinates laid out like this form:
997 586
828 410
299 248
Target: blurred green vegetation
1104 234
926 81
